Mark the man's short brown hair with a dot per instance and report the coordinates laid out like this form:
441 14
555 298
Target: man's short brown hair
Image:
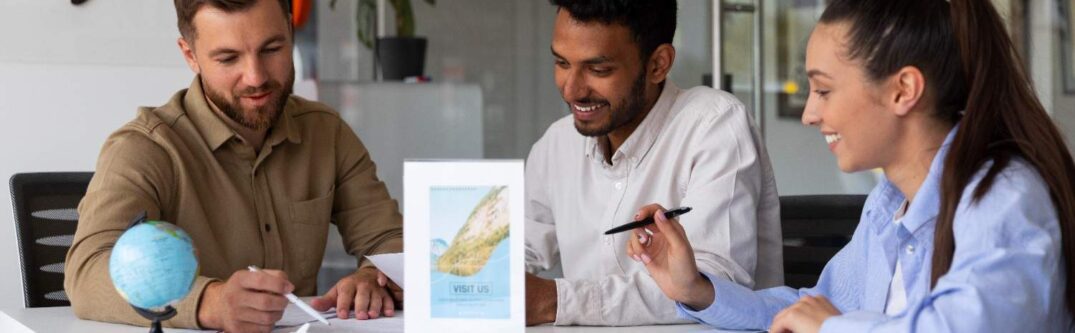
185 10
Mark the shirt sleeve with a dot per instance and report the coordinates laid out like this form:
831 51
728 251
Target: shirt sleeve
542 249
724 191
1007 265
133 175
737 307
366 215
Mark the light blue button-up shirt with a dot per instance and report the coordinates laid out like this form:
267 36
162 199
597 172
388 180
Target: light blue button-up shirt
1007 273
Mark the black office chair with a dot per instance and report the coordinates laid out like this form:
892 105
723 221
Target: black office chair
46 215
815 227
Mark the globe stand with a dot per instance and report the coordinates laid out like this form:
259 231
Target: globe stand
156 317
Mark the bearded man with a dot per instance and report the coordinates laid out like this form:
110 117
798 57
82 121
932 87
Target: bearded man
254 174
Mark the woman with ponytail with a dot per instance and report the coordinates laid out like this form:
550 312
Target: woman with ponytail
971 229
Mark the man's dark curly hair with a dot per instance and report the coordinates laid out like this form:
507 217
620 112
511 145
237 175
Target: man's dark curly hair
651 22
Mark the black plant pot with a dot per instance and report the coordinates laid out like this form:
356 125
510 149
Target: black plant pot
401 57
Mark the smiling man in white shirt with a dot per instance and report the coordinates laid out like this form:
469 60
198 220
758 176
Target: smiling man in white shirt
634 138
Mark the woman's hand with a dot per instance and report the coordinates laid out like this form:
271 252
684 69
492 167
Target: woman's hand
664 249
805 316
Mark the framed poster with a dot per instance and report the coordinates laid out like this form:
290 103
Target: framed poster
463 246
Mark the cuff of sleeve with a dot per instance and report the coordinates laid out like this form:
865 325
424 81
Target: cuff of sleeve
187 309
728 310
687 312
858 321
394 245
577 303
363 263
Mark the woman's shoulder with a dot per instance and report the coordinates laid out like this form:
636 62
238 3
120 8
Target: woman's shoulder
1017 194
1016 178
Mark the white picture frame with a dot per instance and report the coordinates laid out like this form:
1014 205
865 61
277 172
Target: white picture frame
460 284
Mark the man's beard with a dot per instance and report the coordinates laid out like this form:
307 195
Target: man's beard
633 105
261 117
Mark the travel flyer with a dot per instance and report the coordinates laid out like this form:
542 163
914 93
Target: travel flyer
469 252
463 246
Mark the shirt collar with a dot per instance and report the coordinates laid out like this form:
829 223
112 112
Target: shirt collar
216 132
925 207
285 128
642 139
213 129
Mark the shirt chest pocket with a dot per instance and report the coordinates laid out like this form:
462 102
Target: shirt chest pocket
305 236
312 212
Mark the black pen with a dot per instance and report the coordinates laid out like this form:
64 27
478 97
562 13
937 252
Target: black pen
647 221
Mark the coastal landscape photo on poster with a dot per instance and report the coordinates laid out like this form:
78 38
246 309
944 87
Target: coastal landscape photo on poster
470 258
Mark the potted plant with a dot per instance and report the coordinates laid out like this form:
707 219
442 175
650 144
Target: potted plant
399 56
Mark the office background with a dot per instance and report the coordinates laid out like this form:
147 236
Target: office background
69 76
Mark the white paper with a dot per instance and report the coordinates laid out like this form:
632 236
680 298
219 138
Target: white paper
305 327
463 246
294 317
391 264
380 325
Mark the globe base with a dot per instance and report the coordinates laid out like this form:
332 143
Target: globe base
156 317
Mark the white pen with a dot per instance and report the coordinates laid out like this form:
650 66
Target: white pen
298 302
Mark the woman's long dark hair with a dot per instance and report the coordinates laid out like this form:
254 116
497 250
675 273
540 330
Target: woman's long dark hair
966 55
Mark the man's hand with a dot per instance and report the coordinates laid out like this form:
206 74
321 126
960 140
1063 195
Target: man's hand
393 289
805 316
246 302
667 254
365 290
540 300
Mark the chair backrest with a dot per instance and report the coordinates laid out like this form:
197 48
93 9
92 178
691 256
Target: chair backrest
815 227
46 215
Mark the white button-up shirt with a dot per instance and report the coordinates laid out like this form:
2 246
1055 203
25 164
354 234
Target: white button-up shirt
695 148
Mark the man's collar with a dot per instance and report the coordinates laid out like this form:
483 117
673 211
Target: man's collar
213 129
284 127
216 132
642 139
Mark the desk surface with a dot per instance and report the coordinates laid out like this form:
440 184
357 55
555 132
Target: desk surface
62 320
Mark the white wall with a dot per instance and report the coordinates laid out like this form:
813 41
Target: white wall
503 46
802 163
69 76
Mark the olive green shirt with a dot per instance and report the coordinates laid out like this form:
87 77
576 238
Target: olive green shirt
181 163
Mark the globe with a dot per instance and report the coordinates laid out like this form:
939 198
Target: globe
153 265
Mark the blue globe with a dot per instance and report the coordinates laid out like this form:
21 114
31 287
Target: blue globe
153 265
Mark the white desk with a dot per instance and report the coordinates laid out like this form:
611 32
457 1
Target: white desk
62 320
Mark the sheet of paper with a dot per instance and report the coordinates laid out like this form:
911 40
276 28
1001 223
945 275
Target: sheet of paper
304 328
294 317
391 264
380 325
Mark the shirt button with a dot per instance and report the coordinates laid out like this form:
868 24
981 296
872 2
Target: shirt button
619 185
268 228
910 249
608 240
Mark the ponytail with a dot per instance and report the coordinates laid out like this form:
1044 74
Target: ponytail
1003 120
